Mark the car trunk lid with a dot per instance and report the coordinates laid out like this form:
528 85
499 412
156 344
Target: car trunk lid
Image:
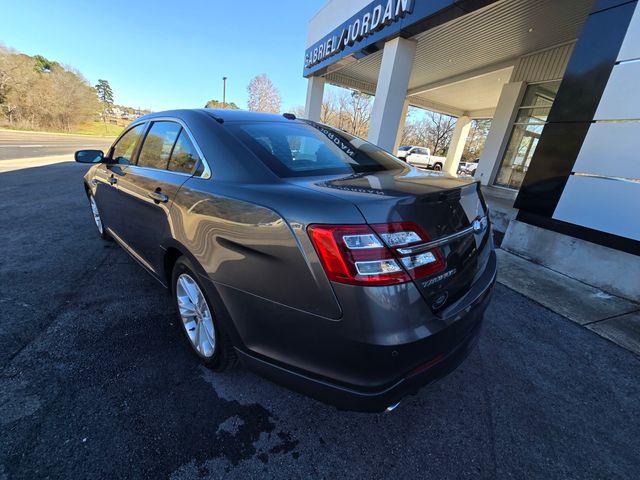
449 210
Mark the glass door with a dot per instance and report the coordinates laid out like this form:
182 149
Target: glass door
531 119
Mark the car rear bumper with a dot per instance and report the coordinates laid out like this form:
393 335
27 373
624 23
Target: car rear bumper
440 354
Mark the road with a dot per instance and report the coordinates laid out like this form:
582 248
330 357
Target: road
15 144
97 382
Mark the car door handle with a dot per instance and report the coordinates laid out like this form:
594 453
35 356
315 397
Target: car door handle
113 180
157 196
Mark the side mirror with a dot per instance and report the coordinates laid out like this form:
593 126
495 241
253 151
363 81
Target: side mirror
89 156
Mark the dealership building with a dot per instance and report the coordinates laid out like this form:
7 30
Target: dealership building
560 81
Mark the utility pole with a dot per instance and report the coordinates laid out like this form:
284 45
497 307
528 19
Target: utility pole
224 92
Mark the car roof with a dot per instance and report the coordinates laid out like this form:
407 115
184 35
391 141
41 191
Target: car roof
219 114
244 115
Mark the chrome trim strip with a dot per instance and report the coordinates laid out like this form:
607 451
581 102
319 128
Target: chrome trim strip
442 240
134 166
436 243
606 177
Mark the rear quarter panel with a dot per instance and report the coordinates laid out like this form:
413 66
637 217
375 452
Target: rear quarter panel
262 251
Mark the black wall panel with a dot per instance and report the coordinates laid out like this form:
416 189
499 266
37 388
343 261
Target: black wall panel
573 110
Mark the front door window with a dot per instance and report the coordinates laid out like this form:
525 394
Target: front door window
531 119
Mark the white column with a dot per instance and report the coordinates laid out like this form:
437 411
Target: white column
456 147
498 137
391 91
403 121
315 93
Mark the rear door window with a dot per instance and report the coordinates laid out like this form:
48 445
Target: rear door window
158 144
125 148
184 157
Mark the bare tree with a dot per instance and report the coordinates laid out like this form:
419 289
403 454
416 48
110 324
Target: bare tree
433 130
476 139
356 112
439 131
347 110
263 95
329 110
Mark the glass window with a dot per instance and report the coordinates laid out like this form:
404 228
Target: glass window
124 149
540 94
531 119
305 149
184 157
158 144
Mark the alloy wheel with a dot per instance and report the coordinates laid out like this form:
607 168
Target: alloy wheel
196 315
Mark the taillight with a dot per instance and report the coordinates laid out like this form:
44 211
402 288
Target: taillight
354 254
409 234
366 255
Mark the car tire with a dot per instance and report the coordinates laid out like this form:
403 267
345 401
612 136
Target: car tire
198 318
97 217
437 167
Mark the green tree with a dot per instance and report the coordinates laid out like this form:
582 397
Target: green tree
105 95
217 104
42 64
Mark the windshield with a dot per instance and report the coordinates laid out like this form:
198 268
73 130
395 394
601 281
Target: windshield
404 148
295 149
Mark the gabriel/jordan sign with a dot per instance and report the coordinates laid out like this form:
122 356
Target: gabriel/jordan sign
378 16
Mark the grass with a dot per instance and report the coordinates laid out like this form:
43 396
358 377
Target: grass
96 128
99 128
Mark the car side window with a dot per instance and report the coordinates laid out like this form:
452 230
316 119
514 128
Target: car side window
158 143
124 149
184 157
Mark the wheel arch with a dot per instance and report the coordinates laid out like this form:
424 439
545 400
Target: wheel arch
171 256
174 250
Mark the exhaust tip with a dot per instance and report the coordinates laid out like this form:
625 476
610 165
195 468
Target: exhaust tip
392 407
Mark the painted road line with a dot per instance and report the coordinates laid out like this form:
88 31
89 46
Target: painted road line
22 163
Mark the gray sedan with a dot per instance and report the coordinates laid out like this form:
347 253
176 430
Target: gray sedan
311 256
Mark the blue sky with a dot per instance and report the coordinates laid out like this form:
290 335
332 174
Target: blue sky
159 54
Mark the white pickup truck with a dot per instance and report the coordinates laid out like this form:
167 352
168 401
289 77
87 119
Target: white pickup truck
420 157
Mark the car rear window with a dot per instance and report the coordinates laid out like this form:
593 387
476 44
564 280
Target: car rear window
295 149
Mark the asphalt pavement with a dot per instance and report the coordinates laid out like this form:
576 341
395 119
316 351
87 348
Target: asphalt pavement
96 380
16 144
